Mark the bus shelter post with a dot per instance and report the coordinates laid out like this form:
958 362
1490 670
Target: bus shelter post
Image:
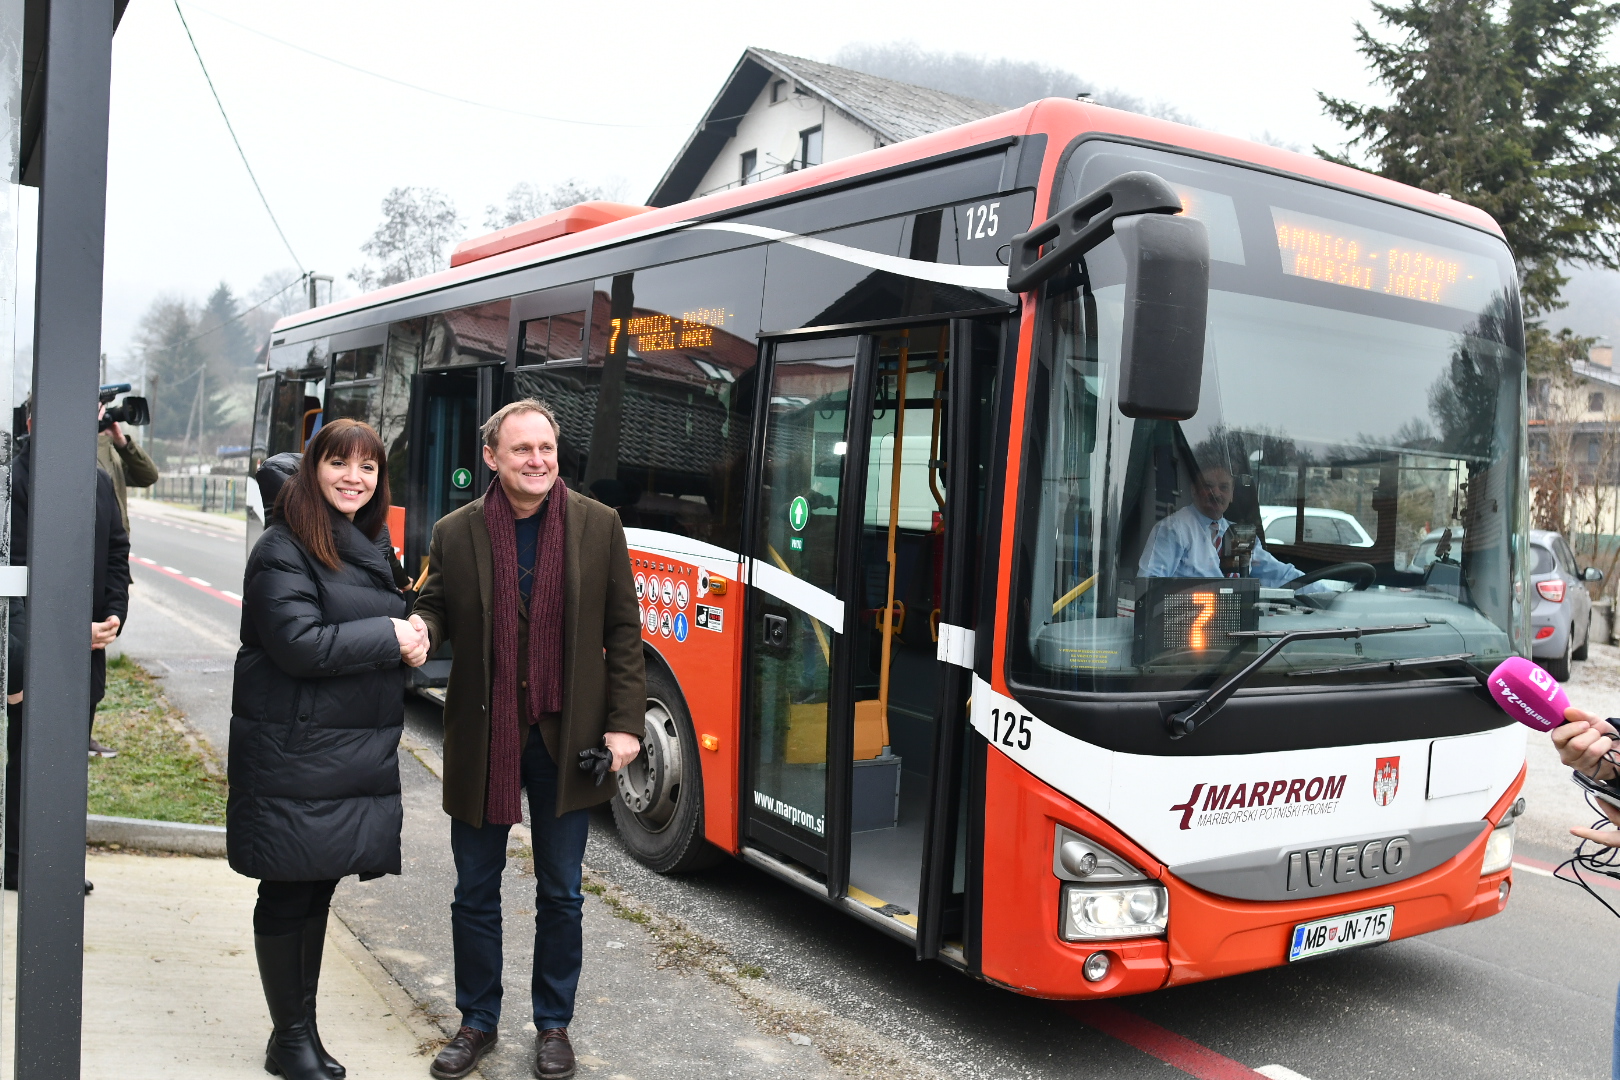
67 346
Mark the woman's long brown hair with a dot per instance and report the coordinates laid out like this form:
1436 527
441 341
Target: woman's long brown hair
305 509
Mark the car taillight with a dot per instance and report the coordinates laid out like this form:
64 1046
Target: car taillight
1543 632
1551 589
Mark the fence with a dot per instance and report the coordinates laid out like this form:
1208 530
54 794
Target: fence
223 493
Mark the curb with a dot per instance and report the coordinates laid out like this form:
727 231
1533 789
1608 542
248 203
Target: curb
206 840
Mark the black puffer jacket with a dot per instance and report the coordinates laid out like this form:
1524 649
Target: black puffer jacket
316 713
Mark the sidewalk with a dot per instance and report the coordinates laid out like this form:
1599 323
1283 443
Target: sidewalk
171 986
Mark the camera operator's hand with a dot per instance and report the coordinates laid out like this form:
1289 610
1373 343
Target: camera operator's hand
117 432
1583 740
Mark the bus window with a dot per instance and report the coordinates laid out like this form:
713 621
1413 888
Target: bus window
811 288
470 335
352 365
656 421
553 338
400 361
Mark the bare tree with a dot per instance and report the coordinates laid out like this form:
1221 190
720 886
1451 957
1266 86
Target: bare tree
418 225
527 201
1012 83
1575 466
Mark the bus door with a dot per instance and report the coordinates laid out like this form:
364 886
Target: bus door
863 558
447 468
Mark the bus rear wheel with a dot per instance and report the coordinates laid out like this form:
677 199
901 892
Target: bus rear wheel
659 804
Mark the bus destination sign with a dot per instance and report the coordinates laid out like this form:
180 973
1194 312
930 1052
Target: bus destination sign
1358 258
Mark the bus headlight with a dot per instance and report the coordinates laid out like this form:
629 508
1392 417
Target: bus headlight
1091 914
1498 850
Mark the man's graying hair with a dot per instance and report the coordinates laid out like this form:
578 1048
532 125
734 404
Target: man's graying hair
492 426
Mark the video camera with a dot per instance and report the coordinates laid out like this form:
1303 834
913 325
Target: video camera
132 410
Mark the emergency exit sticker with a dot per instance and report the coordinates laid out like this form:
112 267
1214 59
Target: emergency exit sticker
461 478
798 512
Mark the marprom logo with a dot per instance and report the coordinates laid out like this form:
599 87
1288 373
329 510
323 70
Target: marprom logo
1226 805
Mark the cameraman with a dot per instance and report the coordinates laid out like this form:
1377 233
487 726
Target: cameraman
124 460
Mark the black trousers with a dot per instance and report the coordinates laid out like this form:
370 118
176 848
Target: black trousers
14 733
284 906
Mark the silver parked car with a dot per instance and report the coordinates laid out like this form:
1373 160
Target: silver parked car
1561 615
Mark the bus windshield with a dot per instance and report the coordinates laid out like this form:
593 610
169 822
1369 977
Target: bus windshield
1354 460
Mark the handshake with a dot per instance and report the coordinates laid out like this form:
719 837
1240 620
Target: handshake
413 640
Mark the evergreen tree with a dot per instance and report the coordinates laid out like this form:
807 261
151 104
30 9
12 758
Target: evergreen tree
227 341
1508 105
174 355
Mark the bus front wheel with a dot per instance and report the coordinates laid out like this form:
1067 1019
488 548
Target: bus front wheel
659 805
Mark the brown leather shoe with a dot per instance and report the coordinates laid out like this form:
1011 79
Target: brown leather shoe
461 1053
554 1058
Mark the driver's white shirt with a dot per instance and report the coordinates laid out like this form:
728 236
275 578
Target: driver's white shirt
1185 545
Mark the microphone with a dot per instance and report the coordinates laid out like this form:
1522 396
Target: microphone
1528 694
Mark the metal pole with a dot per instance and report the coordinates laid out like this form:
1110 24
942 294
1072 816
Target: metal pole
67 351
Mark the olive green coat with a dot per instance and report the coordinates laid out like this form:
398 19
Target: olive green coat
603 686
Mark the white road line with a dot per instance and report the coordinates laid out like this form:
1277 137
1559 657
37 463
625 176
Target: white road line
144 559
172 570
232 595
200 581
1280 1072
1538 871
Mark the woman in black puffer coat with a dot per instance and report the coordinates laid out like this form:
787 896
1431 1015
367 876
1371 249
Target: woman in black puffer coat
316 713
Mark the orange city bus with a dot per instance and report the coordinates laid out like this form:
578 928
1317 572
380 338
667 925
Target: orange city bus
1026 519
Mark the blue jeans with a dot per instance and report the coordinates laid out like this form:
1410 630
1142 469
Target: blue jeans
475 914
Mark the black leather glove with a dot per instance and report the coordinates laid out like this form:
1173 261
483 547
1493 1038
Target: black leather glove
596 760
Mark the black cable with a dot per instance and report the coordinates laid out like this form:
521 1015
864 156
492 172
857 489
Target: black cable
209 79
234 318
1591 856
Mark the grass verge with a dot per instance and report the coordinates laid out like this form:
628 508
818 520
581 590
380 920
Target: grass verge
162 772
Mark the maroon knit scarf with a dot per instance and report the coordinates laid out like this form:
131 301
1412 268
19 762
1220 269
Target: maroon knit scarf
543 666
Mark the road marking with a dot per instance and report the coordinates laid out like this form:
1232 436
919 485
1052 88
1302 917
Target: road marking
1541 869
233 599
1280 1072
1174 1050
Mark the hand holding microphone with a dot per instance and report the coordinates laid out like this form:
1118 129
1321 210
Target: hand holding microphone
1534 698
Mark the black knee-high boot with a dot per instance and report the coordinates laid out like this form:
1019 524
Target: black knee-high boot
291 1052
314 943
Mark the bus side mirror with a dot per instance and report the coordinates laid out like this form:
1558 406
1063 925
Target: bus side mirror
1161 365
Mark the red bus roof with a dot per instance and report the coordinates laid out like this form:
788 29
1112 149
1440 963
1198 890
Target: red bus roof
1060 119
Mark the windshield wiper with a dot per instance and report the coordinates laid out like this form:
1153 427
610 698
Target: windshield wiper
1200 712
1393 665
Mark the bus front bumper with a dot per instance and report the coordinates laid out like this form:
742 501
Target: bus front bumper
1208 936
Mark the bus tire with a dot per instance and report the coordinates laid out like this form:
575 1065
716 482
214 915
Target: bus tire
659 805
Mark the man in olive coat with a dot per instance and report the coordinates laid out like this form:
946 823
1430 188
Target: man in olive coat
515 565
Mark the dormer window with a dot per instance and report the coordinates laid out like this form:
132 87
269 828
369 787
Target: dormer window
750 166
779 91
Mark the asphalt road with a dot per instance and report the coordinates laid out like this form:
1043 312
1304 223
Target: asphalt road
1528 993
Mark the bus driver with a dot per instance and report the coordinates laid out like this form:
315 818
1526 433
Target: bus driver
1187 544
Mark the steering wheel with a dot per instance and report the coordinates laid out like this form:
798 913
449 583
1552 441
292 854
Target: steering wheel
1364 575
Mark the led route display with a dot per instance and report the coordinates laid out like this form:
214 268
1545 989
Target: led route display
1358 258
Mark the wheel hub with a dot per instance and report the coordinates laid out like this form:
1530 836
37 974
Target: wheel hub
650 785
